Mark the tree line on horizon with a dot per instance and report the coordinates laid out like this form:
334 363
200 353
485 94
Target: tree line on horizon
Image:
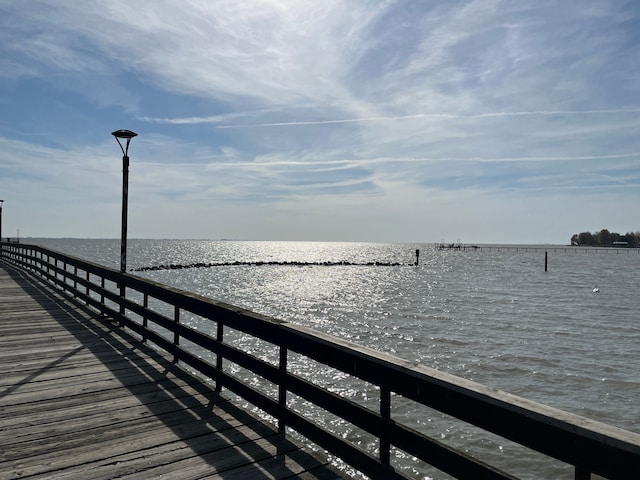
605 238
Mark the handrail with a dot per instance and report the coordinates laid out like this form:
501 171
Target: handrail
587 445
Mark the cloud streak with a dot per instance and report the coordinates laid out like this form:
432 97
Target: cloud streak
387 160
247 111
431 116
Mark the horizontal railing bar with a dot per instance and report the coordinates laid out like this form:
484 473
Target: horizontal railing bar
334 444
556 433
445 458
481 419
274 332
441 456
155 337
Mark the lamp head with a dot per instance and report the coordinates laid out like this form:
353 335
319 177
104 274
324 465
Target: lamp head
126 134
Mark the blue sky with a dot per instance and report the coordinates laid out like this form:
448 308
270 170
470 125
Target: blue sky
346 120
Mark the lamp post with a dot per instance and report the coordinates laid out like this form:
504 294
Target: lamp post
1 202
126 135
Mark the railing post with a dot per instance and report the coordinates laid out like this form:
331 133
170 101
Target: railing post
385 413
102 296
145 320
582 473
282 390
123 292
176 335
219 338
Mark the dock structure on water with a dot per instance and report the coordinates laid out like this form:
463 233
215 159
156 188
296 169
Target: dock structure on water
614 249
103 377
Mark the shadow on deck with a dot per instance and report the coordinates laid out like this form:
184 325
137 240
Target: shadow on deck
81 398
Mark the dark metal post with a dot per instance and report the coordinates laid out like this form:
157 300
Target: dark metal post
128 135
582 473
1 202
125 203
282 389
176 336
385 413
545 260
219 358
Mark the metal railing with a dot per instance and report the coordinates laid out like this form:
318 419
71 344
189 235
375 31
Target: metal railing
588 446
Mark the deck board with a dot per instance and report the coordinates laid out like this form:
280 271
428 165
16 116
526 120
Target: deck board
80 398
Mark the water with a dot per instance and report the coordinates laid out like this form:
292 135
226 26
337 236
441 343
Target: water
491 316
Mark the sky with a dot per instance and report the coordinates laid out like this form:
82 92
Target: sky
486 121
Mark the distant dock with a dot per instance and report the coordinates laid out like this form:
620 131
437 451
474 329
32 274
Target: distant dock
535 248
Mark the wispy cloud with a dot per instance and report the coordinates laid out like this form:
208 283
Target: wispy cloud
210 119
334 108
412 117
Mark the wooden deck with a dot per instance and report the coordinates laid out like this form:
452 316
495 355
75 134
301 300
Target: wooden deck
81 399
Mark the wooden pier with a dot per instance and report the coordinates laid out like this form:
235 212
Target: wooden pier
80 398
104 374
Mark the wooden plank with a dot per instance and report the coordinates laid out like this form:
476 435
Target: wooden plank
214 462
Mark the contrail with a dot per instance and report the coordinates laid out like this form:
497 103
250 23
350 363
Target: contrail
354 162
324 122
577 157
209 119
433 115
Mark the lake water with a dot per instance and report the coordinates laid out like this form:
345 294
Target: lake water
493 316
